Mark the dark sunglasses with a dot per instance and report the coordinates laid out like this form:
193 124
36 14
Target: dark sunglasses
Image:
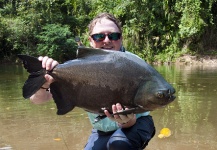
101 36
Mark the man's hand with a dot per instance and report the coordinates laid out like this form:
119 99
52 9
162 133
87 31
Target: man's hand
123 121
42 95
48 64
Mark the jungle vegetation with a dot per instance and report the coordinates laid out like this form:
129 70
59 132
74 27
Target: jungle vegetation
156 30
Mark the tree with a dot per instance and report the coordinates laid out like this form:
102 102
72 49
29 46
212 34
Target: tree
57 41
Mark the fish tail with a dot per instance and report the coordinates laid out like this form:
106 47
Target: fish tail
36 78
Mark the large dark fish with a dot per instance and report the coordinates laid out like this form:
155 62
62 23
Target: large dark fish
99 78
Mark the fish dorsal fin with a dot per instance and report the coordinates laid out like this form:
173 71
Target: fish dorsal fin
85 52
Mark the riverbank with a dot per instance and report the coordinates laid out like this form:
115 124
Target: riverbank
197 60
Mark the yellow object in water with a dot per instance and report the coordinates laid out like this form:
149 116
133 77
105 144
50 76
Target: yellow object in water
165 132
57 139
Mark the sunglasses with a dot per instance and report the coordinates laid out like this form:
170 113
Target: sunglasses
101 36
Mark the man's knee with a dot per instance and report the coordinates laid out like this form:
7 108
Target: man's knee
119 141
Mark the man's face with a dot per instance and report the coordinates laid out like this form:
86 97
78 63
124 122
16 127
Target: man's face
106 26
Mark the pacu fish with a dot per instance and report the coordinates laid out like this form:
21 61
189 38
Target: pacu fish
97 79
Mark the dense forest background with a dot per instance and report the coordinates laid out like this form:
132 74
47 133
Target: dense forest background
156 30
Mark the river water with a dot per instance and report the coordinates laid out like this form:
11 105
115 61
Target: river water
191 117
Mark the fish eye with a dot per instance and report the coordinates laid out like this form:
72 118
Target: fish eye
160 95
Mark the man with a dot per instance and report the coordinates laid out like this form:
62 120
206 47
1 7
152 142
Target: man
118 132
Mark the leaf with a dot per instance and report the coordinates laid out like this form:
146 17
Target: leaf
57 139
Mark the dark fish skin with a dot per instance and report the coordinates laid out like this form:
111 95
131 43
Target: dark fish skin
99 78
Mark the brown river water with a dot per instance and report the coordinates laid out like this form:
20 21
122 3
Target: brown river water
191 117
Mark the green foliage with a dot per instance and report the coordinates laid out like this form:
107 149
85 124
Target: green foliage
191 22
15 38
3 52
159 30
56 41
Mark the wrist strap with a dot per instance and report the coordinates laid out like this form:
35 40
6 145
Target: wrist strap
47 89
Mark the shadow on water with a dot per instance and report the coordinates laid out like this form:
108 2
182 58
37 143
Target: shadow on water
191 117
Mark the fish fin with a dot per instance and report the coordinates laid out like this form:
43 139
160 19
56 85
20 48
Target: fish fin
85 52
63 102
36 78
31 64
127 111
32 85
124 112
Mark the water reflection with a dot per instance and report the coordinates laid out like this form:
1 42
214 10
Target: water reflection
191 117
26 126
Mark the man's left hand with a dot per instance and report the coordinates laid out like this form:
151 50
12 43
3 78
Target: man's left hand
120 119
